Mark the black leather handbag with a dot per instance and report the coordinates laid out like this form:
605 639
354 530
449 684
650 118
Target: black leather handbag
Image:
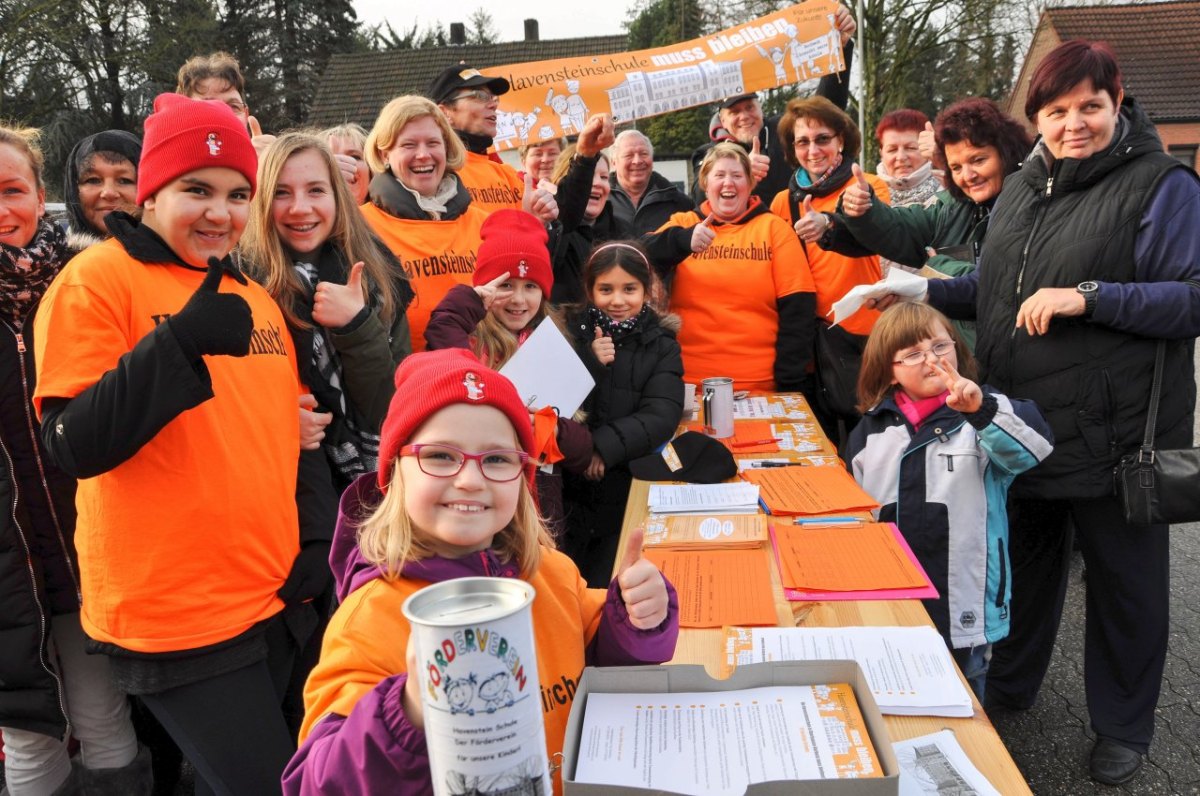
1158 486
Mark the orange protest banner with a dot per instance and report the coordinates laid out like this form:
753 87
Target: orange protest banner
554 98
844 559
715 588
809 490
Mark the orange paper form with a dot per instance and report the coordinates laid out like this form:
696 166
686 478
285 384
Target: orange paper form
844 559
809 490
719 587
746 431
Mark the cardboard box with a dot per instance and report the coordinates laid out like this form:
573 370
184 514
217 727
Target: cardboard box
673 679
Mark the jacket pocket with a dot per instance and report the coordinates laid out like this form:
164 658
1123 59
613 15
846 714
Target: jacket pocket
952 460
1095 416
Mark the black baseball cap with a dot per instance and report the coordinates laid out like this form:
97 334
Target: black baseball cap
455 78
704 459
729 102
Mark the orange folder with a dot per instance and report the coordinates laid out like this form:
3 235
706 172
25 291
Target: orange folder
809 490
852 558
719 587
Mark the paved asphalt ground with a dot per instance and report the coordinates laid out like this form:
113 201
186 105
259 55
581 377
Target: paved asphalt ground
1051 742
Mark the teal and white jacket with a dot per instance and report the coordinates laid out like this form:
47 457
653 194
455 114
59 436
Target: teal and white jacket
945 486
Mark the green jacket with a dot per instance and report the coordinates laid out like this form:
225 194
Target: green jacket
902 234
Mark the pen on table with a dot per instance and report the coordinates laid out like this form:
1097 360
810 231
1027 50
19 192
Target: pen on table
827 521
753 442
761 465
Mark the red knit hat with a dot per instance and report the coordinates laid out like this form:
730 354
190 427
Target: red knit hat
184 135
514 241
433 380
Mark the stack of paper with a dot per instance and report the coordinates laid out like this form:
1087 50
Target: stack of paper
719 742
810 490
718 587
909 669
845 558
737 498
706 531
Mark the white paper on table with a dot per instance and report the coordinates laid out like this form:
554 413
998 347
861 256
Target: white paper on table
898 281
755 408
547 372
704 743
908 669
937 764
735 498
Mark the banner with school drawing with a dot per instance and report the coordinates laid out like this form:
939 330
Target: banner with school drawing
548 99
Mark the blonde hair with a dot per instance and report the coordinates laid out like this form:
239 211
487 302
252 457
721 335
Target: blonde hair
494 343
25 141
394 117
349 130
725 149
900 327
263 252
387 538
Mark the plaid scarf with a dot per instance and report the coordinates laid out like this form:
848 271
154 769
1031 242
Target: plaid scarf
25 273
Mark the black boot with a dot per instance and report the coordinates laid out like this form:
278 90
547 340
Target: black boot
135 779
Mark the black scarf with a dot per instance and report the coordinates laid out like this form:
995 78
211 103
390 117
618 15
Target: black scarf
831 181
474 142
616 329
26 272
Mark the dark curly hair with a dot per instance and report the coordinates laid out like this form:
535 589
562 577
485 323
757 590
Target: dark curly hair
980 122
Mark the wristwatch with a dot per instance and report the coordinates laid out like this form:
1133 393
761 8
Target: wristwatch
1089 290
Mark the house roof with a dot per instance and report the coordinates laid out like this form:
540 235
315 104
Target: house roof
1157 46
356 86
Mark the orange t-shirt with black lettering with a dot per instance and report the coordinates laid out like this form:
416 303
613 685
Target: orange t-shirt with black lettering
835 274
436 255
184 544
726 297
492 185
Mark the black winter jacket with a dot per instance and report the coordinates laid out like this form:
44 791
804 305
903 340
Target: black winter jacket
661 201
1057 226
38 565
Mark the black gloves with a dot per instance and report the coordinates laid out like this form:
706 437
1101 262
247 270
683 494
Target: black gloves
212 322
310 574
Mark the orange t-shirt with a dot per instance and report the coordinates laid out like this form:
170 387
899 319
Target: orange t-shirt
367 637
436 255
833 273
726 298
184 544
492 185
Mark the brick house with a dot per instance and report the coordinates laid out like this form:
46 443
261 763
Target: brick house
1158 49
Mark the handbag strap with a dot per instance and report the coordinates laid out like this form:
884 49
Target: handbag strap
1155 395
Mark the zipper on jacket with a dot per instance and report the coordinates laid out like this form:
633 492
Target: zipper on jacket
1110 410
43 630
1003 574
943 435
37 457
1033 228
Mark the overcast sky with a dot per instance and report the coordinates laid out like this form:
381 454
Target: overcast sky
557 19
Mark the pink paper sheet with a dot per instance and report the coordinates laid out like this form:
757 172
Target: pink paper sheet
927 592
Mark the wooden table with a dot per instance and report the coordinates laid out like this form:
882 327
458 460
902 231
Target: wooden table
705 646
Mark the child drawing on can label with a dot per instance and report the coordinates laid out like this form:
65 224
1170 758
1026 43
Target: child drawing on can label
495 693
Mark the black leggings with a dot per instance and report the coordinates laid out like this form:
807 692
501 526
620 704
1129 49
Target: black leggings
231 726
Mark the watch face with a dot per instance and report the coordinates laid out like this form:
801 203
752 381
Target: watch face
1088 287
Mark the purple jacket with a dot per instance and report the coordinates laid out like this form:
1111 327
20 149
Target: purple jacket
376 747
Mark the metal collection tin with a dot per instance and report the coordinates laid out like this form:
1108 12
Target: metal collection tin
477 665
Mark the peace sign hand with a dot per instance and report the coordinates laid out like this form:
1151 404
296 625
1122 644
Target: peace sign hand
965 395
491 292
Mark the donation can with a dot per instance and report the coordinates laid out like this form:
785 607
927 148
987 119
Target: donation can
477 669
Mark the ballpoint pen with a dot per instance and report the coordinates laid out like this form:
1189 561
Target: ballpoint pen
751 443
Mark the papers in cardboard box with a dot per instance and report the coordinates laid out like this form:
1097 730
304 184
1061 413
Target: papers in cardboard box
909 669
720 742
736 498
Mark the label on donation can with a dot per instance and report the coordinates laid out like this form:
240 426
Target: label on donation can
477 665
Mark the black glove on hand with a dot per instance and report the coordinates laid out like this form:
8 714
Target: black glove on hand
310 574
212 322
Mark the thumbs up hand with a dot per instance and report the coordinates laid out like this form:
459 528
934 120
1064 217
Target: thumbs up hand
856 199
703 235
334 305
603 347
213 322
642 587
927 142
760 164
811 225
